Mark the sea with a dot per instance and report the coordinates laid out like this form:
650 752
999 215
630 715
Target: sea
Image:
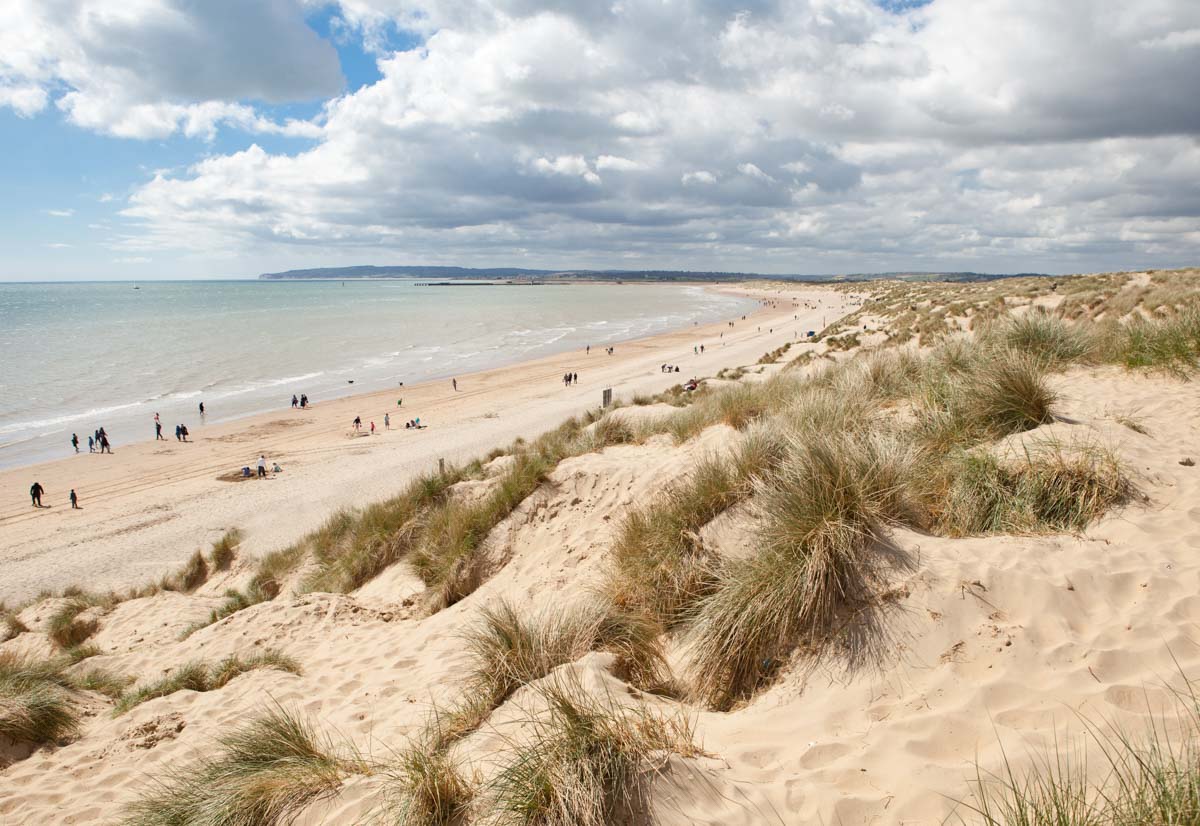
78 356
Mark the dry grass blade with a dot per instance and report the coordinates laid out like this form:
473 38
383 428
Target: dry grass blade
34 705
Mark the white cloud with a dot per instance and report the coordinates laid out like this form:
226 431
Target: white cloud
60 213
58 246
132 259
702 176
149 68
806 135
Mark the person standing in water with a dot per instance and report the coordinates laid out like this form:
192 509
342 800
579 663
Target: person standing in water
74 501
75 441
35 493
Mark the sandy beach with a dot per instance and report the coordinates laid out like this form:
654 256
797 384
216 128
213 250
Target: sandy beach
148 506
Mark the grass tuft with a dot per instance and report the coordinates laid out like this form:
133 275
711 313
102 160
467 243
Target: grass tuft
35 706
195 676
224 550
586 761
265 772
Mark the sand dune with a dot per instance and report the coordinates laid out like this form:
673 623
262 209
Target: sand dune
980 646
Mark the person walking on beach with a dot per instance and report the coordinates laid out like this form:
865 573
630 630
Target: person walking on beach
35 493
183 433
262 467
158 432
387 422
75 501
104 446
75 442
91 445
372 427
454 383
574 378
295 402
303 401
201 410
357 423
178 432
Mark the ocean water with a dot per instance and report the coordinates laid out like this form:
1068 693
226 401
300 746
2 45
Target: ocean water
75 357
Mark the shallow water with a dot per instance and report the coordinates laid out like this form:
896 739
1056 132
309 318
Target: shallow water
76 357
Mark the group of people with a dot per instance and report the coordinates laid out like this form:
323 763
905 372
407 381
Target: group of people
301 402
181 431
669 368
36 491
570 378
97 442
697 350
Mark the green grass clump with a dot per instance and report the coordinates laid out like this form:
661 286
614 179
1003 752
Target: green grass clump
1048 490
659 566
821 511
447 558
1047 338
224 550
1171 344
196 676
264 773
585 762
351 549
427 788
66 629
35 705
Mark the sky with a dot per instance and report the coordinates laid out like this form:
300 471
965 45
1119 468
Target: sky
224 138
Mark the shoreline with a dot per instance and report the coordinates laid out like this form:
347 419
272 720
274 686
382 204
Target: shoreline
373 360
145 509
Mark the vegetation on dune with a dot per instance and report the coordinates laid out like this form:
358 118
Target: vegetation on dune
584 762
427 788
264 773
821 513
224 550
34 705
1148 778
196 676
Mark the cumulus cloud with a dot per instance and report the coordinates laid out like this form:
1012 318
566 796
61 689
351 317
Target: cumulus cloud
148 68
60 213
784 135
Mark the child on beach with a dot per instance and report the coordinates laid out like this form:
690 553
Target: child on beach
75 442
387 422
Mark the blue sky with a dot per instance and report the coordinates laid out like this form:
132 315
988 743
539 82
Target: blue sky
172 139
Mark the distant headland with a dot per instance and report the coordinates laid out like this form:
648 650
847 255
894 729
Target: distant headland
524 275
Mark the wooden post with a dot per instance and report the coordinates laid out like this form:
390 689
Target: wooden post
441 467
607 397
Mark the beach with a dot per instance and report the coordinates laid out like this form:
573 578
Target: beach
148 506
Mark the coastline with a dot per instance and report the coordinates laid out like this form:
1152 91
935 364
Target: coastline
146 508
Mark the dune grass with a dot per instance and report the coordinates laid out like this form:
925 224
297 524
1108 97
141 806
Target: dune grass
66 629
585 760
35 704
447 558
224 550
196 676
352 549
427 788
264 773
1048 338
1048 489
820 512
1150 777
659 565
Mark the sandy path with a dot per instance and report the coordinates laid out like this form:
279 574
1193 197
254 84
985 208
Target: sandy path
147 507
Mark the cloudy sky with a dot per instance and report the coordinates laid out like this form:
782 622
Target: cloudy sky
216 138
